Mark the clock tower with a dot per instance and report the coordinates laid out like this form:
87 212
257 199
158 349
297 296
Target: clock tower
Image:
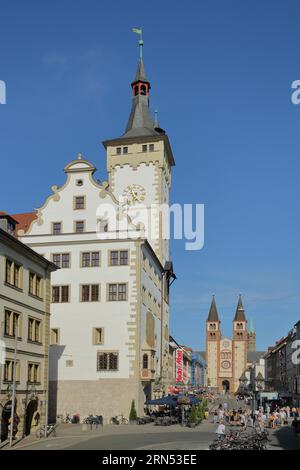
139 163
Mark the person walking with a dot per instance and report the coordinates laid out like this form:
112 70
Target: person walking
221 430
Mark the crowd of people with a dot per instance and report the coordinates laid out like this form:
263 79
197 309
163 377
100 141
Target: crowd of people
259 419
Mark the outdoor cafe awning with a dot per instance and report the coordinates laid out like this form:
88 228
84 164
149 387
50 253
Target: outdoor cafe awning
171 400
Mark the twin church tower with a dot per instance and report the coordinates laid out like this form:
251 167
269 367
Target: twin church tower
226 358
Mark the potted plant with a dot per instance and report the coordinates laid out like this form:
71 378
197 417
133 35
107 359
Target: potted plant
133 413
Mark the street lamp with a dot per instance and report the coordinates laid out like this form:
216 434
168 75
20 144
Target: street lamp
259 382
9 391
243 382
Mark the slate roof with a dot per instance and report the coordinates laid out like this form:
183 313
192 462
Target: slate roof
240 312
213 312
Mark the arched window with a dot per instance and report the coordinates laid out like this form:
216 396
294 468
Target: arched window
145 361
143 90
136 90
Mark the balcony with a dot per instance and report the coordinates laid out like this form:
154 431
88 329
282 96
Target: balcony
147 374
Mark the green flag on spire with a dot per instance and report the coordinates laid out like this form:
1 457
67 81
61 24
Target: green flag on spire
139 31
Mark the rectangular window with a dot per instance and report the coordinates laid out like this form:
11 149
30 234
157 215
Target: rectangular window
60 294
118 258
35 285
13 274
56 228
118 150
54 336
79 202
62 260
114 258
34 373
85 293
144 148
64 293
95 258
98 335
123 257
34 330
125 150
56 259
12 324
65 260
151 148
55 294
90 259
112 292
107 361
85 260
90 293
8 372
94 293
117 292
122 292
79 226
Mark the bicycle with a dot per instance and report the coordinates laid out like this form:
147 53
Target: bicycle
51 429
118 420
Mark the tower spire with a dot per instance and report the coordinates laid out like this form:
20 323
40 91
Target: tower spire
240 312
213 311
140 122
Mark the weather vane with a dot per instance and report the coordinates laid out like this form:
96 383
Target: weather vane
139 31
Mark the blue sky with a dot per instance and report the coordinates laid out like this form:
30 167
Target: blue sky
221 74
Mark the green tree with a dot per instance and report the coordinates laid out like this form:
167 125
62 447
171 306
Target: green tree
133 413
193 415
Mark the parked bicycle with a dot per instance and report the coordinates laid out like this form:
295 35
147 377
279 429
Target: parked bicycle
241 441
93 419
118 420
51 430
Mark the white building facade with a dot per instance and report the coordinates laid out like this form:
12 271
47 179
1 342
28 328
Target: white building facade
110 297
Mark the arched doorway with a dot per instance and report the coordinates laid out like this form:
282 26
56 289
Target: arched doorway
226 385
30 410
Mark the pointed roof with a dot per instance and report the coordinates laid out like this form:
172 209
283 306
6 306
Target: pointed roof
140 122
251 330
213 312
140 75
240 312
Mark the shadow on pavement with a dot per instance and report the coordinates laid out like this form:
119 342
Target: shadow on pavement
285 439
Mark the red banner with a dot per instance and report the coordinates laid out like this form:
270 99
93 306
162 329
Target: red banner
179 366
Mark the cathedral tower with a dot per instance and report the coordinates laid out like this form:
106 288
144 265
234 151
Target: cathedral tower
213 336
251 338
240 343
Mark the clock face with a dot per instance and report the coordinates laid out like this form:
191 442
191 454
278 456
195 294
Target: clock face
225 364
226 344
134 194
